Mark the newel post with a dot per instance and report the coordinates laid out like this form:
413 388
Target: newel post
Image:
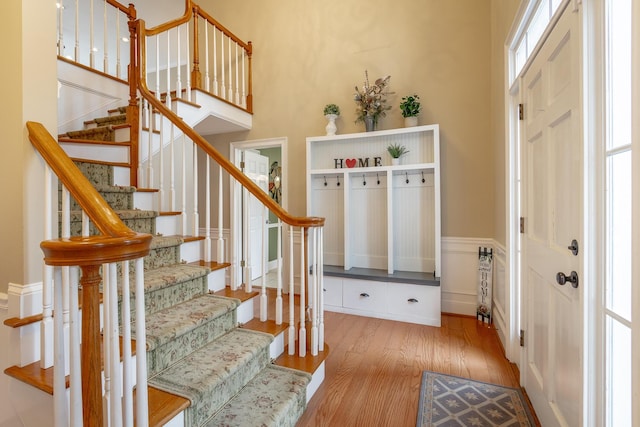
196 76
133 110
91 365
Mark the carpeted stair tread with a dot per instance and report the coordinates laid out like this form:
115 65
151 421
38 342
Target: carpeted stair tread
158 242
177 320
102 133
165 277
179 330
110 120
124 214
274 397
210 376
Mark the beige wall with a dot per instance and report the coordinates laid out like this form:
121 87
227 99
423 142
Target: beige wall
29 73
308 54
502 14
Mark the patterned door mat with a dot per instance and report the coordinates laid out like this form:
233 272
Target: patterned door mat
451 401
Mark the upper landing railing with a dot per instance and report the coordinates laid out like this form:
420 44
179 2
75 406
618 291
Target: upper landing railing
192 52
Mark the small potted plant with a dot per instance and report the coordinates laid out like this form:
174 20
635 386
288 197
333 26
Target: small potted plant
331 112
396 151
410 107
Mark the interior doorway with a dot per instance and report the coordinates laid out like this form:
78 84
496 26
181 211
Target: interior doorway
248 245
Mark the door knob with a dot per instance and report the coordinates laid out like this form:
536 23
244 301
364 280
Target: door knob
364 295
562 278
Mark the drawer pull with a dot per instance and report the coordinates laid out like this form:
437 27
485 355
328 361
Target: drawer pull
324 289
412 300
364 295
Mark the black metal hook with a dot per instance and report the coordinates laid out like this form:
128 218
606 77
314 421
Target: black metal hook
338 179
364 180
325 181
378 178
406 177
422 177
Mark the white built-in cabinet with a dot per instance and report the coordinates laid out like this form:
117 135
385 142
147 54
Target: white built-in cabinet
382 228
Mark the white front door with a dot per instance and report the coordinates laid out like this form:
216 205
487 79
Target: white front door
552 204
256 167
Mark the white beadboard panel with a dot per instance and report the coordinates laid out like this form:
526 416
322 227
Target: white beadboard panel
414 229
368 221
460 273
338 148
328 202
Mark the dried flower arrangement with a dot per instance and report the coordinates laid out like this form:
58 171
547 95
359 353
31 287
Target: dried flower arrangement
371 100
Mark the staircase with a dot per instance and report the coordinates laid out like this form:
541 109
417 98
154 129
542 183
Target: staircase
194 346
222 374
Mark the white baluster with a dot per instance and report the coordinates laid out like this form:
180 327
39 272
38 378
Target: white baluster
247 241
127 369
168 88
150 130
46 326
237 67
142 400
105 37
313 293
178 71
206 55
243 98
59 380
106 344
207 210
223 88
183 209
76 50
196 215
118 41
161 192
279 272
65 234
92 46
220 248
302 338
187 61
139 130
60 27
172 171
215 63
292 301
157 45
75 374
229 78
321 289
114 347
265 260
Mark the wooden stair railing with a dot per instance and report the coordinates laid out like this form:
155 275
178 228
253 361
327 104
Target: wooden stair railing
116 243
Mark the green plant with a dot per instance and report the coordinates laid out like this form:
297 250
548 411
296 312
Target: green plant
331 109
410 106
397 150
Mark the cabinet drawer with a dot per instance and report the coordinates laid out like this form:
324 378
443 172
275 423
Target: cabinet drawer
364 295
333 291
413 300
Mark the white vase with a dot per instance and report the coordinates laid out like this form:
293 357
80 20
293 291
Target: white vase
331 126
410 121
395 161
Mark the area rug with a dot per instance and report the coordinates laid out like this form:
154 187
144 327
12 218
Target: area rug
451 401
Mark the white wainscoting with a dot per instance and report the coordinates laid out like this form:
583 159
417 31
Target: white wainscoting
459 279
500 293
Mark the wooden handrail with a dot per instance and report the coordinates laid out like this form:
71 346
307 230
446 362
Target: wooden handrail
206 147
188 10
129 10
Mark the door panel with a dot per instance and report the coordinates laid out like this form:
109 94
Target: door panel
257 169
552 202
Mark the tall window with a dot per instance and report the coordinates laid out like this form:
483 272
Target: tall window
617 299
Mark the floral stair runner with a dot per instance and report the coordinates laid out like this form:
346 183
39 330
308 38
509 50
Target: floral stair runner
194 347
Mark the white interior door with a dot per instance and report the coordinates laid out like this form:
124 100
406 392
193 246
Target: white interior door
256 167
552 185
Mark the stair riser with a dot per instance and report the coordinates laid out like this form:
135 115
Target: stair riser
164 356
161 257
157 300
141 225
96 173
117 201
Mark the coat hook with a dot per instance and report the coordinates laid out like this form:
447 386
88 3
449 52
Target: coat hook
423 177
406 177
378 178
325 181
338 179
364 181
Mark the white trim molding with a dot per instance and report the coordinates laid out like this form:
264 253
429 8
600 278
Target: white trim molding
4 301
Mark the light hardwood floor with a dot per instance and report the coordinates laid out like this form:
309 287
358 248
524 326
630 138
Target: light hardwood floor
374 367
